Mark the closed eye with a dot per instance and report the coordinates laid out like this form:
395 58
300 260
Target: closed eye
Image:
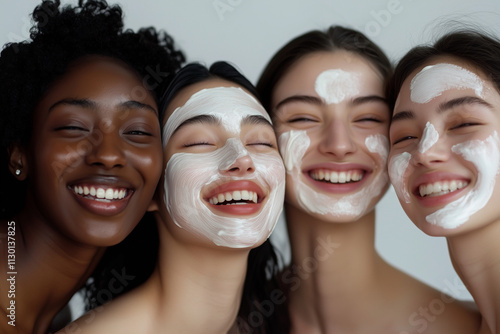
138 133
301 119
464 125
201 143
369 119
262 144
403 139
70 128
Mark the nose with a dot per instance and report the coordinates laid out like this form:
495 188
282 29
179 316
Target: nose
428 156
241 166
105 150
337 140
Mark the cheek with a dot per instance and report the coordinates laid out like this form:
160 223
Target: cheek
378 146
55 158
293 146
148 160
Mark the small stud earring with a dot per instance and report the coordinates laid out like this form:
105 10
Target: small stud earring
18 172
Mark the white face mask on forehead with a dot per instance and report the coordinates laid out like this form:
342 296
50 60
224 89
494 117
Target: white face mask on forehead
186 174
433 80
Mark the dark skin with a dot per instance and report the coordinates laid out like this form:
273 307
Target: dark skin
92 168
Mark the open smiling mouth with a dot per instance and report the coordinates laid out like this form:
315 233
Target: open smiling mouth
440 188
329 176
100 193
238 197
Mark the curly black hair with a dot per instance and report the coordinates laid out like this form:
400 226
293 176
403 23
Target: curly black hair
59 36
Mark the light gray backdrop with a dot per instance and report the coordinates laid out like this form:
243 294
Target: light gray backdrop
248 32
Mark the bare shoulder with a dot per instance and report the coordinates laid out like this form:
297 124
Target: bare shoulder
437 312
119 316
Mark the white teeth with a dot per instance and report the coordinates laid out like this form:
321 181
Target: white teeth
100 193
243 195
336 177
441 188
342 177
237 195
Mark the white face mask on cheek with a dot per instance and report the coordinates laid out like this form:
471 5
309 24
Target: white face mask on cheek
293 146
186 174
485 155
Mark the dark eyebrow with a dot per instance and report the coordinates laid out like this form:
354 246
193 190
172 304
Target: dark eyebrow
84 103
368 99
203 119
318 101
444 107
255 120
461 101
89 104
300 98
403 115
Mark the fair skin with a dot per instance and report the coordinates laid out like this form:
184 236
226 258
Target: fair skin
88 132
339 277
459 116
197 285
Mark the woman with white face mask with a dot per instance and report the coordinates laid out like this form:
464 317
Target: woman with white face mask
325 93
218 200
445 155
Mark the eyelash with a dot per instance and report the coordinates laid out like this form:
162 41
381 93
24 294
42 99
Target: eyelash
197 143
467 124
138 132
403 139
263 144
301 119
70 128
369 119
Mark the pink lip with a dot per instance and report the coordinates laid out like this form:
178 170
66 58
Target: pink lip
338 188
102 207
433 201
236 210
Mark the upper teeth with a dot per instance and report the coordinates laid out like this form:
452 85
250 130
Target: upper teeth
336 177
440 188
100 193
237 195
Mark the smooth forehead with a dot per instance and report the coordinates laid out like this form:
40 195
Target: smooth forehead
300 78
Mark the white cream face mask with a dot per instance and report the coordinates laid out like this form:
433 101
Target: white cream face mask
399 163
294 144
336 85
433 80
485 155
186 174
397 168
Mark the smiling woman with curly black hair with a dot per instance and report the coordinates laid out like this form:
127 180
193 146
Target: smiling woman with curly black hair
81 150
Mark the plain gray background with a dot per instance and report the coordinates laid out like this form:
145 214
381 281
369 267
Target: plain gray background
247 33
